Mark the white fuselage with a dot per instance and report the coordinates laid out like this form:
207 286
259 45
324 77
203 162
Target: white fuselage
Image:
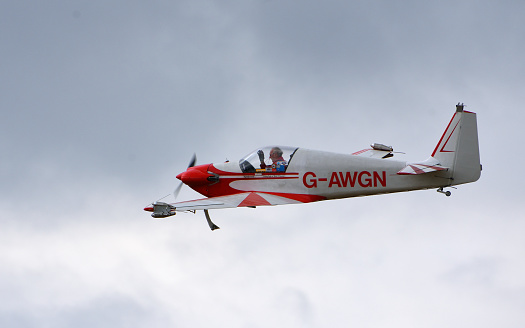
332 175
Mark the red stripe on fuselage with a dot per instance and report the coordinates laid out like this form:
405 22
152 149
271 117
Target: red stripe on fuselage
221 186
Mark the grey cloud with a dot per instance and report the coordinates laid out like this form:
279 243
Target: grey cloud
104 103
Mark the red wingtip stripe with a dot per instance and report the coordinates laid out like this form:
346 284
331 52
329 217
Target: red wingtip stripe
253 200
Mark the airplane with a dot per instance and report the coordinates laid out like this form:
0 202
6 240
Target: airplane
292 175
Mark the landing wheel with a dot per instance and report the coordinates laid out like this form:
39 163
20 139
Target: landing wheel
446 193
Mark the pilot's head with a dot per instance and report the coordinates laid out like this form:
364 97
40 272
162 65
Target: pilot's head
276 153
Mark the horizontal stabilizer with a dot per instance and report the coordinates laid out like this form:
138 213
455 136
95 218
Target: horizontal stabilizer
428 166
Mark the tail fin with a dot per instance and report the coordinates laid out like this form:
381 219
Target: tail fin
458 148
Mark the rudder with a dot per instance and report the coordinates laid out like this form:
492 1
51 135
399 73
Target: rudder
458 148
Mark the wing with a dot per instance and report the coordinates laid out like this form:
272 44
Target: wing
247 199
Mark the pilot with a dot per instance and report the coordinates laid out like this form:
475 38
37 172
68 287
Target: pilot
278 162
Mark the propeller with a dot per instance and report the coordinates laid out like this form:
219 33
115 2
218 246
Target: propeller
192 163
162 210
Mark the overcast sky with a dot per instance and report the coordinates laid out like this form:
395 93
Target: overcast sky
104 103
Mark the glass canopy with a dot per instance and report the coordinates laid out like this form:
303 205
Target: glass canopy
267 159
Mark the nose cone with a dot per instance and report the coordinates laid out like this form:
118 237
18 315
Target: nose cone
195 176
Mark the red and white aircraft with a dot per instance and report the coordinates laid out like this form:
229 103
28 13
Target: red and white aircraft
291 175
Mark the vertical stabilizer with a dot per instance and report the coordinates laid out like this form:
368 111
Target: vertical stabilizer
458 148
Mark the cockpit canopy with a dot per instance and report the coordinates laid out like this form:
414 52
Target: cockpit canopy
267 159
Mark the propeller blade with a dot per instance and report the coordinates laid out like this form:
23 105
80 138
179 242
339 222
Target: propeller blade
193 161
177 190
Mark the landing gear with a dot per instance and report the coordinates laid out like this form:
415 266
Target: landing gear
212 225
447 193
